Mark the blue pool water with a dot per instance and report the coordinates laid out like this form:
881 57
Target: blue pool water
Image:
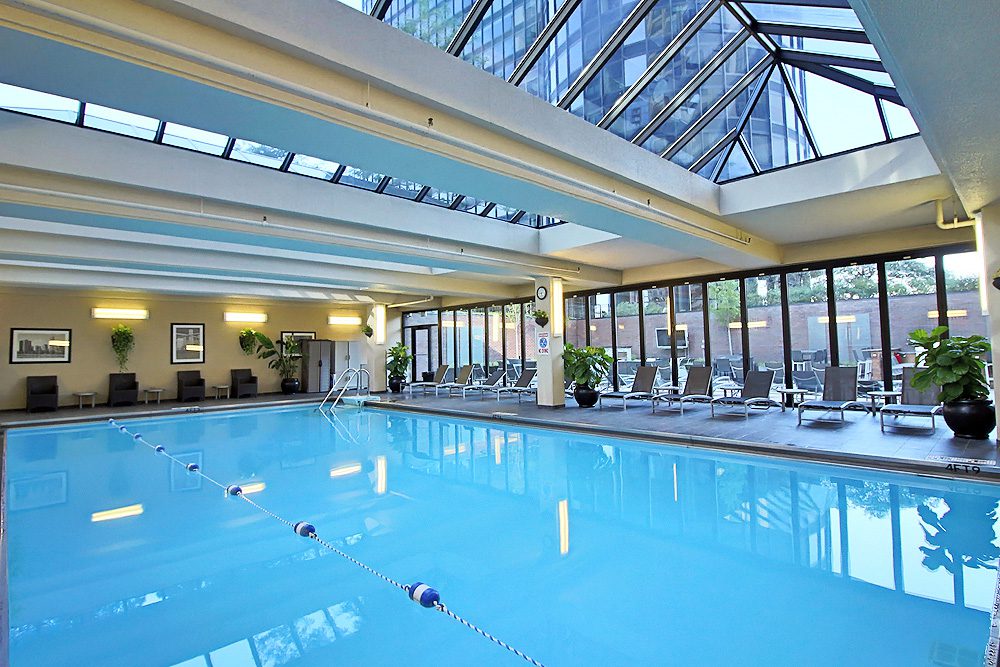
578 550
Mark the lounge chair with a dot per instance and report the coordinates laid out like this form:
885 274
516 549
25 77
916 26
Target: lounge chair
463 378
697 389
913 402
424 386
42 392
243 381
840 393
642 388
123 389
522 387
190 386
755 394
494 380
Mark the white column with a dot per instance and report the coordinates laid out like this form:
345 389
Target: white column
988 240
548 344
377 345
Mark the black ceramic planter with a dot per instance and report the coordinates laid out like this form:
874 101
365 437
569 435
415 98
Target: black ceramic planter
290 386
970 419
585 396
541 321
395 385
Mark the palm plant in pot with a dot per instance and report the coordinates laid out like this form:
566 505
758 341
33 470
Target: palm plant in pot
282 357
396 364
956 365
586 366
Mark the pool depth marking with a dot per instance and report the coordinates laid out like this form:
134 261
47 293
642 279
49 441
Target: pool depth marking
419 592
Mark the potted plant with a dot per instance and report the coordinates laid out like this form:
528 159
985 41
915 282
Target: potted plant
397 363
122 342
367 331
541 317
281 357
956 366
586 366
248 341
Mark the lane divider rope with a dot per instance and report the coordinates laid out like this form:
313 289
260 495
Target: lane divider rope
419 592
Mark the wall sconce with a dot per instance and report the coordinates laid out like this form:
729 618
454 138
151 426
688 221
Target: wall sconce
119 313
249 318
346 320
958 312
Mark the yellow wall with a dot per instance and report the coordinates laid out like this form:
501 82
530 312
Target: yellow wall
93 359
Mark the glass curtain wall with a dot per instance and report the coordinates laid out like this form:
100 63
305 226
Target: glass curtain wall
627 323
859 329
966 315
599 306
765 325
477 335
656 327
530 336
689 332
576 321
448 348
725 330
912 290
808 327
494 339
513 338
462 329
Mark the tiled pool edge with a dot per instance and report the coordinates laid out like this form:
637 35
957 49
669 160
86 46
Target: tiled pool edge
992 657
4 616
990 474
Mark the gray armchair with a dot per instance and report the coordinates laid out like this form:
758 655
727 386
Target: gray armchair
190 386
243 381
42 392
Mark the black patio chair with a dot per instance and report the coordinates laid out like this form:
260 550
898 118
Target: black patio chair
642 388
123 389
756 393
913 402
41 392
190 386
243 381
839 393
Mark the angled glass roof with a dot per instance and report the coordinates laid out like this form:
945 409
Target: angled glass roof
76 112
724 88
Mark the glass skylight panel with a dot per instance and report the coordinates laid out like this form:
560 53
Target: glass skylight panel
35 103
120 122
261 154
709 168
878 78
841 118
706 95
719 29
824 17
313 166
724 122
360 178
830 47
505 33
194 139
472 205
434 22
360 5
631 59
501 212
738 165
403 188
589 26
899 120
439 197
775 133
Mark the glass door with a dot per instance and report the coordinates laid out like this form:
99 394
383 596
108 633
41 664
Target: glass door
423 342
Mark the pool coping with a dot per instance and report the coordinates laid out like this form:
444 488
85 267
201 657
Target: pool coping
939 469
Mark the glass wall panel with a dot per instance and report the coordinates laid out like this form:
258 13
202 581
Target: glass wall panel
725 330
809 328
36 103
259 154
494 339
435 23
765 326
659 342
462 338
912 291
512 345
120 122
830 106
530 336
859 332
506 31
194 139
313 166
627 321
966 316
576 321
448 343
690 331
600 328
477 331
360 178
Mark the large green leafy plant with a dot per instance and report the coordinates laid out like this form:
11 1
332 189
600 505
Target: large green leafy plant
398 361
122 342
955 364
280 356
586 365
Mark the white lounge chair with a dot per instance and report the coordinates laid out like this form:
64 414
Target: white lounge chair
424 386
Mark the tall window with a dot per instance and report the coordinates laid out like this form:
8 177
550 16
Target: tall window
627 322
512 347
462 330
910 284
576 321
859 330
725 329
530 336
966 316
600 325
660 341
448 342
808 327
494 339
477 334
690 329
764 325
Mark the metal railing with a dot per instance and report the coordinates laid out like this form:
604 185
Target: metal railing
345 377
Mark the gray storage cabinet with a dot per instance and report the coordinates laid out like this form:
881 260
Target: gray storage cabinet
317 364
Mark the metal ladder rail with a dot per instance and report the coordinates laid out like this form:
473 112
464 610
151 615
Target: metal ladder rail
333 387
357 375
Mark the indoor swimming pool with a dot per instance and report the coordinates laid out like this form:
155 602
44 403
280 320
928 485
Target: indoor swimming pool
575 549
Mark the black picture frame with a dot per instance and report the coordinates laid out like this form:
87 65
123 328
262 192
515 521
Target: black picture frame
184 335
23 338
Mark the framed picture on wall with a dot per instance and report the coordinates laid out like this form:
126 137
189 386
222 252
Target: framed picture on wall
187 343
297 336
40 346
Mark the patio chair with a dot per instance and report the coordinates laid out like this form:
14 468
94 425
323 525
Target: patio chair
756 394
190 386
807 380
522 387
642 388
779 372
123 389
913 402
243 381
41 392
464 378
494 380
840 393
439 376
697 389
